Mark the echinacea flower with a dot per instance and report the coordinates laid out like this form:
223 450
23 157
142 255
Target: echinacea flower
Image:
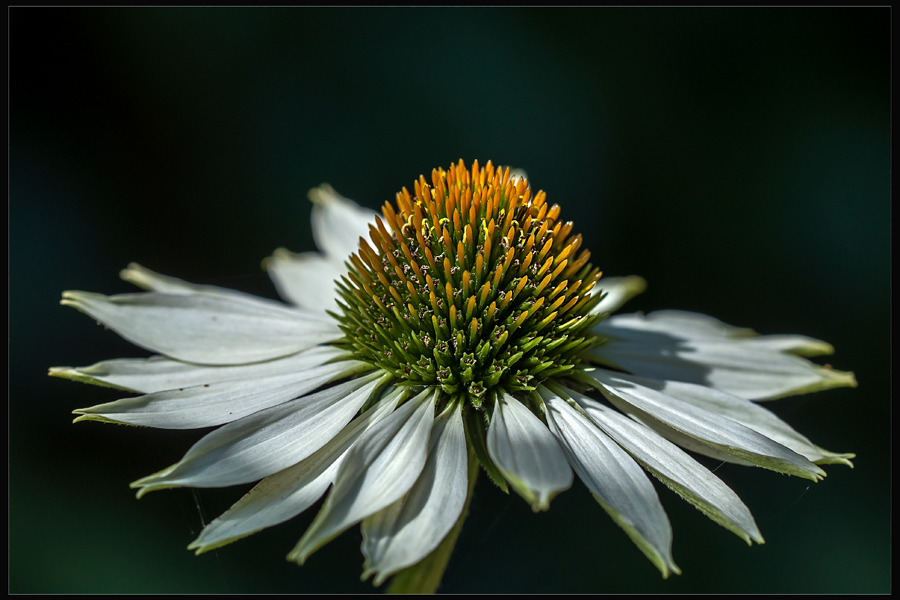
464 327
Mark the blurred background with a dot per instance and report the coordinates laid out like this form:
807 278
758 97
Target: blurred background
738 159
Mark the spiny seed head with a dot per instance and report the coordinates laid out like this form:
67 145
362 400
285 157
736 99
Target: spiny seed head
471 285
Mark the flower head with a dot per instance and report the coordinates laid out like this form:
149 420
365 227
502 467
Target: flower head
468 330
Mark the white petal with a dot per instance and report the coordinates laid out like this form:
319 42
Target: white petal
157 373
792 344
618 290
684 324
754 416
648 400
286 494
213 404
379 469
307 279
679 346
149 280
207 329
617 482
410 529
527 453
671 465
265 442
685 441
338 223
694 445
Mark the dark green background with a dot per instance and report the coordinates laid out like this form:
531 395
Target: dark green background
739 159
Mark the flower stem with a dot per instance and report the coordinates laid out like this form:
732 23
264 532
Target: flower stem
425 576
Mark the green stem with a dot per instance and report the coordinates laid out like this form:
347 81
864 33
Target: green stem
425 576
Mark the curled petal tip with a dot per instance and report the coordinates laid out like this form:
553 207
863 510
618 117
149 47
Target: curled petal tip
321 194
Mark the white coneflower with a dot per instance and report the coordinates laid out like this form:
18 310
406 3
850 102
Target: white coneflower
470 329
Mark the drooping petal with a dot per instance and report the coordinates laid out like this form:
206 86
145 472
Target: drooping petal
618 483
618 290
338 223
378 470
158 373
207 329
680 346
265 442
754 416
685 441
307 279
411 528
527 453
671 465
649 402
213 404
286 494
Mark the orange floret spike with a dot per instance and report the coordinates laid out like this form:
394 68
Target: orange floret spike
360 268
523 268
563 234
545 250
412 291
498 275
520 286
526 224
553 213
460 255
470 307
449 294
489 315
485 293
545 267
448 244
529 244
436 180
448 270
564 254
556 303
579 262
396 295
430 258
404 201
558 289
543 284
